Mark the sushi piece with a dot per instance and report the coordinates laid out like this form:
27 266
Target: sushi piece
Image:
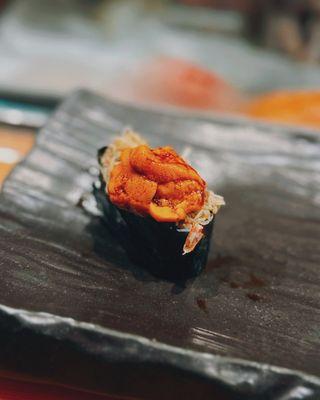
157 205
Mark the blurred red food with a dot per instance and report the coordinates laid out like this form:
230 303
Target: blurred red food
292 107
176 82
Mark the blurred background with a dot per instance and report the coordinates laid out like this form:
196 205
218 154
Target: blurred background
256 58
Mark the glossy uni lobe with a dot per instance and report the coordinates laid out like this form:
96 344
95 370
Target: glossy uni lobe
156 182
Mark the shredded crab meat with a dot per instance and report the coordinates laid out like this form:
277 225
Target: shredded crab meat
194 222
111 157
193 238
211 206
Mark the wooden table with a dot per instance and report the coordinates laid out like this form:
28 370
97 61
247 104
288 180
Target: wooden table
15 143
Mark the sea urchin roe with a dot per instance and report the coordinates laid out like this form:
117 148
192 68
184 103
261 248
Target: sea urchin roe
156 182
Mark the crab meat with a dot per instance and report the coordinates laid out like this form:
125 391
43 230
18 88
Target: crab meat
193 238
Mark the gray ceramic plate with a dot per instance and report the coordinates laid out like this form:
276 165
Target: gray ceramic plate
76 312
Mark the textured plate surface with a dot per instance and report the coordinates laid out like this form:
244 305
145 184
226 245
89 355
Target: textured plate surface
258 299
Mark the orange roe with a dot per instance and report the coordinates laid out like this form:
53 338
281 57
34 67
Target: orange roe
156 182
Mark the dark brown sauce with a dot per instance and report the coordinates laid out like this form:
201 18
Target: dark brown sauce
254 296
80 202
202 304
253 282
220 261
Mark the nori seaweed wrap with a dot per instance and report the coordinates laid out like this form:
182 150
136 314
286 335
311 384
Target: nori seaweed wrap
169 241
